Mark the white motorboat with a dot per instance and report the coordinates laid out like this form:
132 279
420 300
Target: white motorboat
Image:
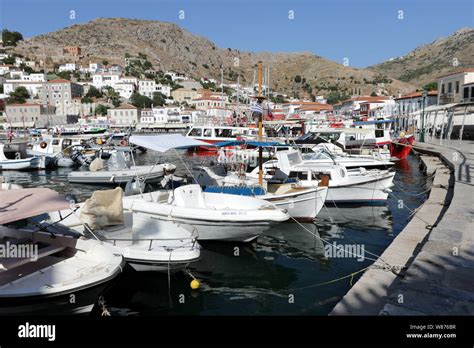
43 266
118 170
13 157
51 149
301 203
320 154
145 242
354 186
216 216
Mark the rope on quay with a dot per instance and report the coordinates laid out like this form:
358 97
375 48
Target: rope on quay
351 275
412 212
329 243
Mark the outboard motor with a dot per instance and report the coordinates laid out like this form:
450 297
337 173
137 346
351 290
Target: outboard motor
79 158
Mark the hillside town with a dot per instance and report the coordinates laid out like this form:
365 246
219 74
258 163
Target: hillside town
136 97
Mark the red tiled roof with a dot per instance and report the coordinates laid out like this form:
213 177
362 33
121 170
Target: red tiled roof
59 81
416 95
126 106
27 104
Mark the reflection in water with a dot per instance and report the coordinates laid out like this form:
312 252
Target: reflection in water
239 279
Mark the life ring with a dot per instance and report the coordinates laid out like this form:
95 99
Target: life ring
123 142
43 144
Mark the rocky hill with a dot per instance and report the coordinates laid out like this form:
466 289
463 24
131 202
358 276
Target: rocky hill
424 64
169 47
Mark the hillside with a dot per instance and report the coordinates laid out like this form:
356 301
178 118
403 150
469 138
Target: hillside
168 47
424 64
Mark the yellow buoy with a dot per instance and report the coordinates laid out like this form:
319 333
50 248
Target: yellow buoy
195 284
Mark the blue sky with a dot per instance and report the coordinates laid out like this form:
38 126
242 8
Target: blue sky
365 31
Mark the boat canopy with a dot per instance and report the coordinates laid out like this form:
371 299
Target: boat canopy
20 204
251 143
165 142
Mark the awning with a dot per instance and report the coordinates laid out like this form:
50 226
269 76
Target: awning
165 142
251 143
20 204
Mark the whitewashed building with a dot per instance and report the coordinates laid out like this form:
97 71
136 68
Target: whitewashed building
101 80
125 89
450 86
68 67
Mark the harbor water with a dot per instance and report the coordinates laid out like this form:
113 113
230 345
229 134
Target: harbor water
285 272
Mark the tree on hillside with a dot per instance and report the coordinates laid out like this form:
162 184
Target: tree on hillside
64 75
94 93
26 68
105 62
336 96
140 101
9 60
113 96
86 100
297 78
432 86
101 110
19 96
10 38
159 99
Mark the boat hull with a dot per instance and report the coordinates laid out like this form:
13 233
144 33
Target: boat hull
20 164
371 192
401 147
116 176
301 207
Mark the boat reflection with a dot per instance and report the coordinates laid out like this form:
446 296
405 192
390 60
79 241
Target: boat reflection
374 217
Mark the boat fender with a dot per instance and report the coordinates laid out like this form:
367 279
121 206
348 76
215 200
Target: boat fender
43 144
195 284
324 181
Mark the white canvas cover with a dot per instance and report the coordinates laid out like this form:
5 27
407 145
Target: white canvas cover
104 208
97 164
165 142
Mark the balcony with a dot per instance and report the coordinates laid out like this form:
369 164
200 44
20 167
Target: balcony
446 98
467 100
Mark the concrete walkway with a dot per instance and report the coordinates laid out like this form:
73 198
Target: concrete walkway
435 251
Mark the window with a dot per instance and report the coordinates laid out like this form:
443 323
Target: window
195 132
442 89
466 93
457 86
450 87
207 132
298 175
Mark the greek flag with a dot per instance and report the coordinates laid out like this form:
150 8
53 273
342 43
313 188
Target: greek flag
255 107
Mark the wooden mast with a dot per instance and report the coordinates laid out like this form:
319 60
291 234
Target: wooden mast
260 127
